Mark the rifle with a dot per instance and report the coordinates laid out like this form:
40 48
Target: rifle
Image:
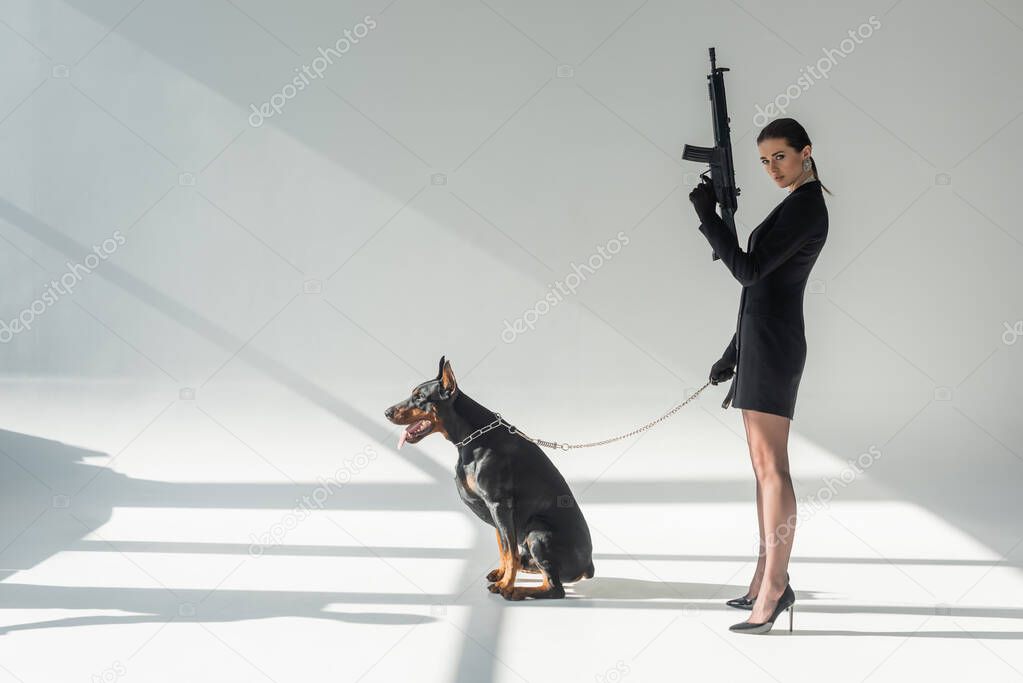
722 171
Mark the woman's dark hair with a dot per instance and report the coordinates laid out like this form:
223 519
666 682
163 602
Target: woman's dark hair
794 135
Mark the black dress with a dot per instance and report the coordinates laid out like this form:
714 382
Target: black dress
769 345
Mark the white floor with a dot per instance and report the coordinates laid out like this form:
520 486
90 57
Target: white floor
134 545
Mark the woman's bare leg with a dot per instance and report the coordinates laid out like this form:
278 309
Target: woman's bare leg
768 436
758 573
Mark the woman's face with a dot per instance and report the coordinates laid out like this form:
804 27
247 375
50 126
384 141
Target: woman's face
783 163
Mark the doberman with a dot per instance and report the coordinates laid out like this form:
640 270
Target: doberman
509 483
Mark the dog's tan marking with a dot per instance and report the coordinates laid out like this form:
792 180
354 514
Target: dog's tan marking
407 416
507 582
526 591
502 556
497 574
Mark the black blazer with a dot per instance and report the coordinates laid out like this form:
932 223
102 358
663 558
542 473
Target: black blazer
773 271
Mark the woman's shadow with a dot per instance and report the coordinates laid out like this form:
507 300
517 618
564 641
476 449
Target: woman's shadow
632 590
693 598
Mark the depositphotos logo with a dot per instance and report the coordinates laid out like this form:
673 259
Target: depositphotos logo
316 69
65 285
809 75
559 290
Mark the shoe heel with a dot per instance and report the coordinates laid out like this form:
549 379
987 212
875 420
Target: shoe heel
792 608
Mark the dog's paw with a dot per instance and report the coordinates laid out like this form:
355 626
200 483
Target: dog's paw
493 588
508 593
495 575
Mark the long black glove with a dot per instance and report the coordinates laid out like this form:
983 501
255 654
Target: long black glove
800 221
724 369
704 201
721 371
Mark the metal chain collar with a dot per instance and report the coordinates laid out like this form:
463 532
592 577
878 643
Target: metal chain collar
566 446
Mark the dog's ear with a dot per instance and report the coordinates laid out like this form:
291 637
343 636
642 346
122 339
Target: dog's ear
447 378
440 368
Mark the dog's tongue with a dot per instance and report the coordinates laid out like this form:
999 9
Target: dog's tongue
401 439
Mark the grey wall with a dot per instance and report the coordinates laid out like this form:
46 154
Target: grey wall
462 156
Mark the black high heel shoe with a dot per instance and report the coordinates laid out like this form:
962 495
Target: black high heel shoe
785 602
746 602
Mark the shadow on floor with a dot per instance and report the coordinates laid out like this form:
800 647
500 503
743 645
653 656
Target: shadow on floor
40 519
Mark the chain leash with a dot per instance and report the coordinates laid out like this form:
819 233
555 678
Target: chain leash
567 446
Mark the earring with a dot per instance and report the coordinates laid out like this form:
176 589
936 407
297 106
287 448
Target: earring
807 164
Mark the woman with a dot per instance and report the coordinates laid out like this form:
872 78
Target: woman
767 352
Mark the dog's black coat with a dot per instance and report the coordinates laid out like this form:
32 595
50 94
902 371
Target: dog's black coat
511 484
